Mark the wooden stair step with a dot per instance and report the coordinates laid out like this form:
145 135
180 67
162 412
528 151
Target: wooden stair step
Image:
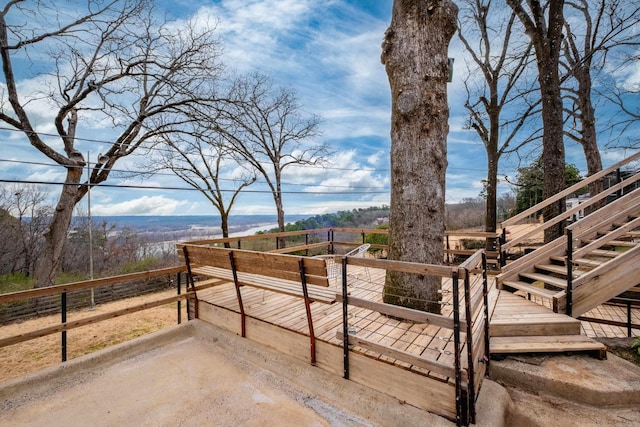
556 269
534 324
530 289
604 253
584 262
621 243
546 344
551 280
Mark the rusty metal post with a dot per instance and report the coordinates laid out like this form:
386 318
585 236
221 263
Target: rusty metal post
345 320
238 294
456 348
307 306
179 282
485 292
569 272
471 390
63 313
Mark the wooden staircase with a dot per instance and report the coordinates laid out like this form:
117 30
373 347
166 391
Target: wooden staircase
600 253
521 326
595 261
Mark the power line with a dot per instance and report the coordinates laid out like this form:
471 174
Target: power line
148 187
174 175
154 147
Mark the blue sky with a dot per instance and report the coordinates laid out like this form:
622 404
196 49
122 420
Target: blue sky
329 52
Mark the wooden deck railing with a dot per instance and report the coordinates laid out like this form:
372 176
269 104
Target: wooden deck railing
328 240
469 323
62 290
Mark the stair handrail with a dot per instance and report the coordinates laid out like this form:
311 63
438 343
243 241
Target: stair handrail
621 207
567 214
532 210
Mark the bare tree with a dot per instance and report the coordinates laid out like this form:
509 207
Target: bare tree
605 30
267 128
502 59
202 160
23 222
544 23
102 62
414 52
601 27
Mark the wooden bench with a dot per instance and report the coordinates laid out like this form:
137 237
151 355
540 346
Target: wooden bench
296 276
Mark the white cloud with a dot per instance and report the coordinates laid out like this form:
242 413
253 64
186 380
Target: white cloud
145 205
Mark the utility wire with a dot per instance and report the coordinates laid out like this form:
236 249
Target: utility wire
152 147
148 187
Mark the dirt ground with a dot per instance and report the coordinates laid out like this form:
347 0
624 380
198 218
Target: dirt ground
30 356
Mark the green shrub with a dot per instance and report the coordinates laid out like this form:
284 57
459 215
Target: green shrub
15 282
636 344
377 239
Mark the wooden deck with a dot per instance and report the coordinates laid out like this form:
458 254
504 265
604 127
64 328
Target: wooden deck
280 321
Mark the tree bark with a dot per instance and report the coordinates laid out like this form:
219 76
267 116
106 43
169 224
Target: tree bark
414 53
56 234
589 140
547 42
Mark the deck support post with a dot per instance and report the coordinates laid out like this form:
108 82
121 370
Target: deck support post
345 320
471 390
569 272
63 313
191 283
179 286
619 193
243 330
629 319
503 254
461 418
307 306
485 293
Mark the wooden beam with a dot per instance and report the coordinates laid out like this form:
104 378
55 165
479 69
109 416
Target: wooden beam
89 320
383 350
87 284
402 312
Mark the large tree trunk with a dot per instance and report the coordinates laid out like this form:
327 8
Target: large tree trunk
56 234
553 159
224 226
282 243
547 42
414 53
589 135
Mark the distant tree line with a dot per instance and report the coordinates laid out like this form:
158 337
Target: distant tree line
24 215
356 218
